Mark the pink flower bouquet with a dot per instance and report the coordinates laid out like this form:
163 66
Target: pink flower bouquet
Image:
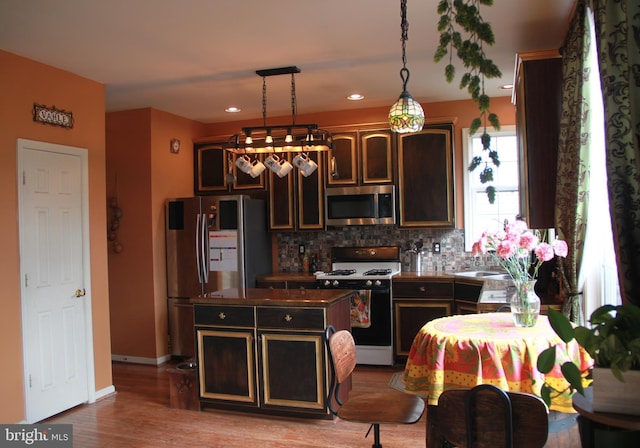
513 247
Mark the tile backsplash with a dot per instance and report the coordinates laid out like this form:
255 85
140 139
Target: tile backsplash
452 256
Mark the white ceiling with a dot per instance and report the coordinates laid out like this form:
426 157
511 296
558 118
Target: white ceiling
193 58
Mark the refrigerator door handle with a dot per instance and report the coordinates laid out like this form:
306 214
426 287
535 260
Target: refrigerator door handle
204 253
197 240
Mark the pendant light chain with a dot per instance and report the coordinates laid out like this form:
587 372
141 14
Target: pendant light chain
294 106
405 30
264 101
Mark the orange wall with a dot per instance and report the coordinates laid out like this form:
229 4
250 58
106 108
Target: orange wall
22 83
143 173
462 112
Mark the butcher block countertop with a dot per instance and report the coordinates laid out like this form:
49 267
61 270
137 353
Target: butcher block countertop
311 298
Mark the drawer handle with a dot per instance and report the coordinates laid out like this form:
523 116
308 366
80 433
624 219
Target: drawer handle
222 316
422 289
288 317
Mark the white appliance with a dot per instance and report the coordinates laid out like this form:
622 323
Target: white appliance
368 271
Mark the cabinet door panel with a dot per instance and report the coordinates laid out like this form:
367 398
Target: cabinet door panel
292 370
344 169
244 181
281 205
377 157
310 198
210 167
226 365
426 178
538 110
411 316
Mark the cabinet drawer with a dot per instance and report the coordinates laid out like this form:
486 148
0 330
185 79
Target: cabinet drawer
423 289
291 318
220 315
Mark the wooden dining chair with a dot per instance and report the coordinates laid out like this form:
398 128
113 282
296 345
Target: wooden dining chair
372 408
486 416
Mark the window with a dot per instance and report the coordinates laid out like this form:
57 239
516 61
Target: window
479 214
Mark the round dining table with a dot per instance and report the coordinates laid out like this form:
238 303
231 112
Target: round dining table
463 351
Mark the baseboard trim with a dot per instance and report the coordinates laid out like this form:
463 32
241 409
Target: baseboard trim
141 360
105 392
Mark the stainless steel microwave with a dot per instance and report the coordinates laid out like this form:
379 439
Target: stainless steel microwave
360 206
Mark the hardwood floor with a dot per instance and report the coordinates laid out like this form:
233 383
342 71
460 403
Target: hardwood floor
138 416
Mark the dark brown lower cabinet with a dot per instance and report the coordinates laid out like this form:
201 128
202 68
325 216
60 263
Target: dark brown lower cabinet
293 370
466 293
411 315
226 359
266 358
417 301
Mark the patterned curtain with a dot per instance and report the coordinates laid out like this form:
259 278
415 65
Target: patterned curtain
572 183
618 40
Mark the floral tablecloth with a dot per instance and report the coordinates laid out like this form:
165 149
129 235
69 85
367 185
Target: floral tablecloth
466 350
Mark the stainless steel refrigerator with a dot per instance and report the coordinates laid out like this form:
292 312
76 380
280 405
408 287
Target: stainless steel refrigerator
213 243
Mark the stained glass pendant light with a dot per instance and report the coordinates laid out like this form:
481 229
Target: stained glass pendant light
406 115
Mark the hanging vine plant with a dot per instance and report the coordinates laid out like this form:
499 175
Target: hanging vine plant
464 33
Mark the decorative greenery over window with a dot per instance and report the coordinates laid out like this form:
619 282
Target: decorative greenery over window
464 33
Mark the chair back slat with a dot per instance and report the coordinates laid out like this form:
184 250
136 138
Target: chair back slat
529 417
343 352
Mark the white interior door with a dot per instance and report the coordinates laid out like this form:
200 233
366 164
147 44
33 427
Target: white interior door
55 291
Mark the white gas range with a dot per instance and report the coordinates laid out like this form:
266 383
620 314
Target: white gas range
368 271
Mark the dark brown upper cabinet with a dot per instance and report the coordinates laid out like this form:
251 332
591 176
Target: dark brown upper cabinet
212 165
538 97
296 202
210 168
376 148
342 163
426 195
360 158
243 180
281 203
310 198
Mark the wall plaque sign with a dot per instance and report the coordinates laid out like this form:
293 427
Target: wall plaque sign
53 116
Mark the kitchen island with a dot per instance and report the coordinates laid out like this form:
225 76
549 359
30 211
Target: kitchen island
263 350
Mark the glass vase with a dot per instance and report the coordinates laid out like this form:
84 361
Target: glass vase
525 304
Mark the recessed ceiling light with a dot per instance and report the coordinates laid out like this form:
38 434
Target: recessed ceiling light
232 109
355 97
506 87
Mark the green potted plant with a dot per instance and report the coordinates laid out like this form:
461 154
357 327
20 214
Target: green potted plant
613 341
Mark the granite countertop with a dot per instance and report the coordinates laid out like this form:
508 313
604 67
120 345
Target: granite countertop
320 298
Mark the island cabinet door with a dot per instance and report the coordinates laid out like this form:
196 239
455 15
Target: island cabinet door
226 365
292 368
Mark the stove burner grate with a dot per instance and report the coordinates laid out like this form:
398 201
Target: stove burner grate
342 272
378 272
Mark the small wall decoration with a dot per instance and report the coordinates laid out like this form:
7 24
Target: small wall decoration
175 146
52 116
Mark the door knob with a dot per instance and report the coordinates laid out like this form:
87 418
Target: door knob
80 292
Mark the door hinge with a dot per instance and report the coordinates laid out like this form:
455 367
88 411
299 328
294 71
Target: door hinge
26 280
30 382
24 178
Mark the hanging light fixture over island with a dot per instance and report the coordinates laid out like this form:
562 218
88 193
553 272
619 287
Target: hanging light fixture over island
278 138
